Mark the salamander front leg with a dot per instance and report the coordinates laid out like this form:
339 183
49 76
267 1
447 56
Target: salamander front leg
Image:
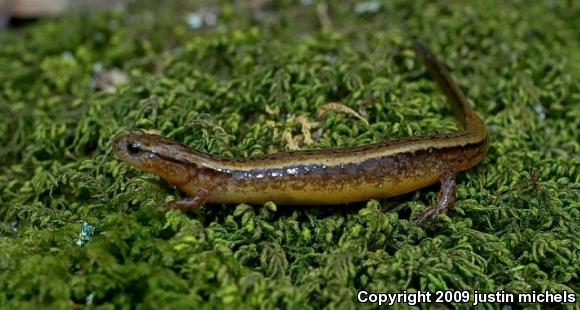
194 202
445 198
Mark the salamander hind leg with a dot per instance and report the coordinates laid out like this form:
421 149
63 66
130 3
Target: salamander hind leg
194 202
445 198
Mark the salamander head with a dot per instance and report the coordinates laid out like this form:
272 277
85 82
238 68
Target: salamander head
156 154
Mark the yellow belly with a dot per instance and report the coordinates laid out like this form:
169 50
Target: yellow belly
314 194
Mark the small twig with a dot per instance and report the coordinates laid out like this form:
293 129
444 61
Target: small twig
339 107
323 17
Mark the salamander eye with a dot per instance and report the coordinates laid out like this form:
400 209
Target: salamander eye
134 148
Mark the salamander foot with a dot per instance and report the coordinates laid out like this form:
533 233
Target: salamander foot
445 198
195 202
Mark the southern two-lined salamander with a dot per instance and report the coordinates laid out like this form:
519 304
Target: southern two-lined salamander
325 176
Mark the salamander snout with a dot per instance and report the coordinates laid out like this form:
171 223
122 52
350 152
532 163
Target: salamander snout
128 147
153 153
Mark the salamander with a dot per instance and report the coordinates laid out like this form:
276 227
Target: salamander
324 176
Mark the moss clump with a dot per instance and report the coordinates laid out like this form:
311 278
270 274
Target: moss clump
79 227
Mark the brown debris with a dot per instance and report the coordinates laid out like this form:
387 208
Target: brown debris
339 107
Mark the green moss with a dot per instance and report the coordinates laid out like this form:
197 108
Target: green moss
232 90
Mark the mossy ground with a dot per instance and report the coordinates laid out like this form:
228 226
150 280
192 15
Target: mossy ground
233 90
